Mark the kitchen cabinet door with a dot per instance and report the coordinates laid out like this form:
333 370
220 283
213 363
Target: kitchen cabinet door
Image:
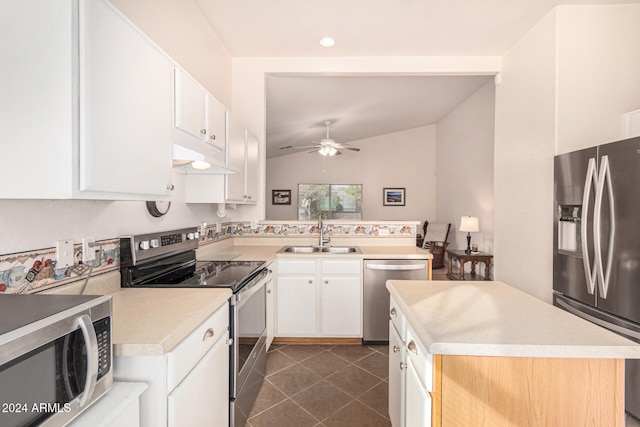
252 172
215 123
397 377
418 401
235 191
341 302
271 307
296 306
126 106
189 101
202 398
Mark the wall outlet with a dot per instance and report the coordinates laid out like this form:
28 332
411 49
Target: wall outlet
88 249
64 253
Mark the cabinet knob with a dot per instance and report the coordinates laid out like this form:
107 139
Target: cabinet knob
396 349
170 187
310 281
393 312
212 137
268 291
403 366
412 347
203 131
230 341
326 282
208 334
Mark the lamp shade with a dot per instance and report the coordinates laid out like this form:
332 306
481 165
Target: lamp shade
469 224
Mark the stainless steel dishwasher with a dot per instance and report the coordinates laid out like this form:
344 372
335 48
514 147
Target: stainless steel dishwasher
376 295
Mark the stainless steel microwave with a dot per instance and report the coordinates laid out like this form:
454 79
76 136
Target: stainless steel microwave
55 357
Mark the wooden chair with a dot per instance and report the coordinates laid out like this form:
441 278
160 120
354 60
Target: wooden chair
435 240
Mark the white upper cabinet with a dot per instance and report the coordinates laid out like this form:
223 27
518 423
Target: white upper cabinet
242 153
125 106
199 117
87 104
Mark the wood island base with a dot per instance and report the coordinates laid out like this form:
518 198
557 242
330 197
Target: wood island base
523 391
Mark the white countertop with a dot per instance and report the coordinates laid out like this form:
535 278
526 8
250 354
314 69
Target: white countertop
153 321
269 252
494 319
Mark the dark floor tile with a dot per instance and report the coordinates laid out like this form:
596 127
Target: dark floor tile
277 360
302 352
378 399
376 364
356 414
322 399
353 380
351 352
268 396
285 414
325 363
293 379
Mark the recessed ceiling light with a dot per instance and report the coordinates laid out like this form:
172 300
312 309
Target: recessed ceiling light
326 42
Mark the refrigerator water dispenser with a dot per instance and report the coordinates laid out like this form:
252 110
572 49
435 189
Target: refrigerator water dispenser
569 240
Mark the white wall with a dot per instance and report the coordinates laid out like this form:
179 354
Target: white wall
249 86
464 184
524 149
565 85
402 159
598 73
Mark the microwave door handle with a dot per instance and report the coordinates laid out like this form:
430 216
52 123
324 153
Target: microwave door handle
91 343
591 179
604 273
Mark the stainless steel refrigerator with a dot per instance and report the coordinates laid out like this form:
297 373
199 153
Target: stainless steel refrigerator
596 233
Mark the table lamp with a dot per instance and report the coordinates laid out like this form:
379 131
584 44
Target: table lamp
470 225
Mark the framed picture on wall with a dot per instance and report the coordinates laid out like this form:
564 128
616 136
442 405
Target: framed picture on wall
281 197
393 196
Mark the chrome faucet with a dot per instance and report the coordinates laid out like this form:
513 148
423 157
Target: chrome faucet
323 240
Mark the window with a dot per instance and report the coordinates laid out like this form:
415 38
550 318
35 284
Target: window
334 201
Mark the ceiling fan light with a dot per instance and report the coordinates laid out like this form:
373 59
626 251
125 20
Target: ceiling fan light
327 150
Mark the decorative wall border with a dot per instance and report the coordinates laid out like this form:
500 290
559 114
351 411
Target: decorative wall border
35 271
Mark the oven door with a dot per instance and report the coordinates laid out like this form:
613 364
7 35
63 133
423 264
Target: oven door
248 358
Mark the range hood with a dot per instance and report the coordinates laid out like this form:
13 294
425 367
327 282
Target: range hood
191 161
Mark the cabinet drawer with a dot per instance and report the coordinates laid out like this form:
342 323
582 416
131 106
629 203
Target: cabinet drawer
189 351
335 266
398 320
421 359
297 266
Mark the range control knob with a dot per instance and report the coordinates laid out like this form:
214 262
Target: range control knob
144 245
196 235
190 236
154 243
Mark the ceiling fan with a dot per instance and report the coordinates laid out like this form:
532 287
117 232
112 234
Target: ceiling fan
327 146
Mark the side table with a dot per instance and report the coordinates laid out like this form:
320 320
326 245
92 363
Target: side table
474 258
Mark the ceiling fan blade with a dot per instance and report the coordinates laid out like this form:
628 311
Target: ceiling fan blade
351 148
345 147
313 151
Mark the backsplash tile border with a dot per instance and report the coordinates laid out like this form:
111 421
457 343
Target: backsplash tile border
35 271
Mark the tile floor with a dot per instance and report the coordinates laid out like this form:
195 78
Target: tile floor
323 385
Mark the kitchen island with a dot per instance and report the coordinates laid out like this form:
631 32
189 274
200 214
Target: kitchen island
489 354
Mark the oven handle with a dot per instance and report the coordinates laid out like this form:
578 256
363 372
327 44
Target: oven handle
256 281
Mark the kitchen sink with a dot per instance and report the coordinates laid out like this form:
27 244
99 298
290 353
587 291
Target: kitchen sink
321 249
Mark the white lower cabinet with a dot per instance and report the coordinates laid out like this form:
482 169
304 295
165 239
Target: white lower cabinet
411 373
189 385
397 376
198 399
418 401
319 298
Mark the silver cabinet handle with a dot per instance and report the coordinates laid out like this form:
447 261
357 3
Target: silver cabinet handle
203 131
208 334
170 187
396 349
393 312
412 347
230 341
212 137
403 366
310 281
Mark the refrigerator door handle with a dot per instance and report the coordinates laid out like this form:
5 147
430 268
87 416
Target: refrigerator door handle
592 177
603 270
